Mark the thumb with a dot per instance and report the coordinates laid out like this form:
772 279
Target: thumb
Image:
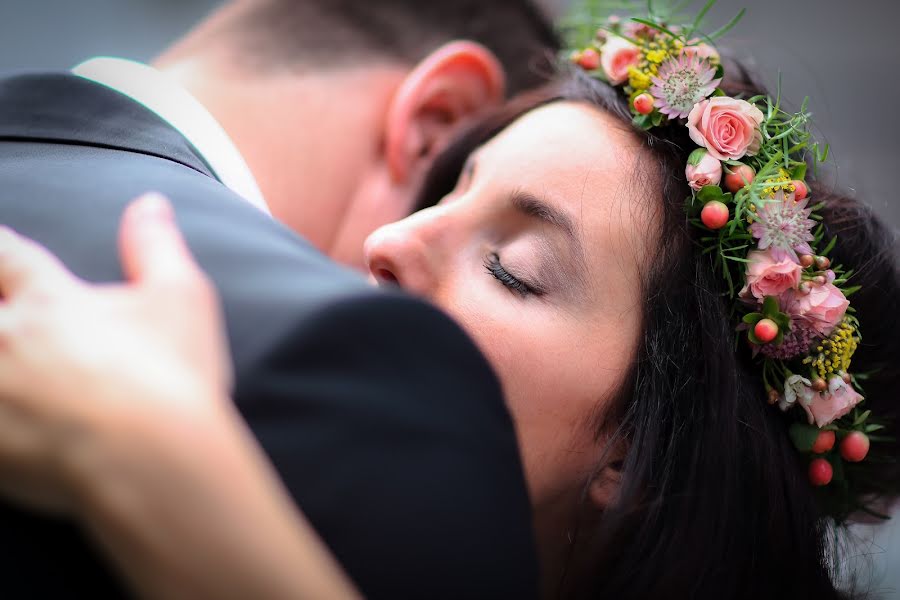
151 246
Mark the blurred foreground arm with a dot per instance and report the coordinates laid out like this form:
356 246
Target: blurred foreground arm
114 409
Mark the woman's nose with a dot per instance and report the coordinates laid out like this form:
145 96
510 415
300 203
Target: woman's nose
405 254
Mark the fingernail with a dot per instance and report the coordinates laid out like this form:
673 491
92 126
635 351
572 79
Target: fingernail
153 207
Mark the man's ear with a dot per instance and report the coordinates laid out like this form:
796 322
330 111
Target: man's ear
455 82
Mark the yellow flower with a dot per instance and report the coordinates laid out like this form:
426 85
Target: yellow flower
657 56
638 79
835 352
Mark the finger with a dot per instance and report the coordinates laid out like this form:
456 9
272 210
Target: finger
26 264
151 246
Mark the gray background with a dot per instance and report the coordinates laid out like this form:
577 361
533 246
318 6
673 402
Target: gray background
845 55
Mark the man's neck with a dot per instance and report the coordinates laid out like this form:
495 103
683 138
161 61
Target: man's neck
306 137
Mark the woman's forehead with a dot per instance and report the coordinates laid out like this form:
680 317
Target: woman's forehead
582 161
565 138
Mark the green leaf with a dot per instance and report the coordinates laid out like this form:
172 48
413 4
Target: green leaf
799 171
657 118
708 193
641 121
752 337
699 18
696 156
803 436
728 26
861 418
752 318
851 290
656 26
829 247
871 428
770 306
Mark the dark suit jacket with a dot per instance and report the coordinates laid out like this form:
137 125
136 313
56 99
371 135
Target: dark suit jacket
380 415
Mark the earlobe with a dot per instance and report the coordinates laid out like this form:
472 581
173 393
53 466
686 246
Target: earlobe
606 480
445 90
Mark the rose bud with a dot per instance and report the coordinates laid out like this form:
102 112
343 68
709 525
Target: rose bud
702 169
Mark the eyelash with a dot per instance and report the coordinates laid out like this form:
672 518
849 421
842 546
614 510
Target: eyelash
495 269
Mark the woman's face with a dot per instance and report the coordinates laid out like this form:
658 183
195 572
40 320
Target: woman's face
537 254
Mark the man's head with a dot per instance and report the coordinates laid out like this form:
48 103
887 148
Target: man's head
340 106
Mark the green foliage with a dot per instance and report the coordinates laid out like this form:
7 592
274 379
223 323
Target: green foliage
803 436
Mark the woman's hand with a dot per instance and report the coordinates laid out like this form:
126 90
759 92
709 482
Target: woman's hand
113 408
81 363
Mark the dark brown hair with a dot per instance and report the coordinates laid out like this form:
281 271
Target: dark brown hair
328 33
714 500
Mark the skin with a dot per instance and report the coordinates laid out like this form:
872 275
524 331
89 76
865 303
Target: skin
334 165
563 343
537 254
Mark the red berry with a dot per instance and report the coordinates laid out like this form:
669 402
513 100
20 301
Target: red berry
824 442
644 104
589 59
736 177
820 472
807 260
766 330
800 190
855 446
714 215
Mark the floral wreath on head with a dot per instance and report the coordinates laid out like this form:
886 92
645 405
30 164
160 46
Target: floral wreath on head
752 206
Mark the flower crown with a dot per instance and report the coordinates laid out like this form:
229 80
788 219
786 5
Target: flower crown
753 208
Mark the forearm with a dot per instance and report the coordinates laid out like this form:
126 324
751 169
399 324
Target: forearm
194 510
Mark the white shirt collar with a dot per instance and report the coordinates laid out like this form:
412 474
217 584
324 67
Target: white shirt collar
175 105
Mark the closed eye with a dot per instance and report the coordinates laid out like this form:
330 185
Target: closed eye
495 268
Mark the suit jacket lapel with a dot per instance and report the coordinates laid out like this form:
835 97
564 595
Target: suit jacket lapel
65 108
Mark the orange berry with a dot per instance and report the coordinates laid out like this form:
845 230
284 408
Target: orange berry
824 442
736 177
589 59
714 215
855 446
643 103
820 472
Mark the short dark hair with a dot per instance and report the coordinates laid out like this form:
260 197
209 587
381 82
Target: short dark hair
331 33
714 500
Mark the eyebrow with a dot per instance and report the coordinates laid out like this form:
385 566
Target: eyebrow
532 206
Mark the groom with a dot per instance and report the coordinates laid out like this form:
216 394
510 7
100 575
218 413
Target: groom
384 421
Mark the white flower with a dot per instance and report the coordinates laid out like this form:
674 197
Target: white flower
795 387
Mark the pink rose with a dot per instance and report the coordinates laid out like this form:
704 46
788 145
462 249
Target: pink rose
768 275
727 127
616 56
702 170
635 30
826 407
823 307
702 51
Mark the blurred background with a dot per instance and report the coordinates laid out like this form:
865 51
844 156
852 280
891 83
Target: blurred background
844 55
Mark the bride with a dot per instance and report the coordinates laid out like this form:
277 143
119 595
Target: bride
656 465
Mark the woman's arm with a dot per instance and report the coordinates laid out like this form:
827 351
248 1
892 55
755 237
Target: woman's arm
114 410
193 510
